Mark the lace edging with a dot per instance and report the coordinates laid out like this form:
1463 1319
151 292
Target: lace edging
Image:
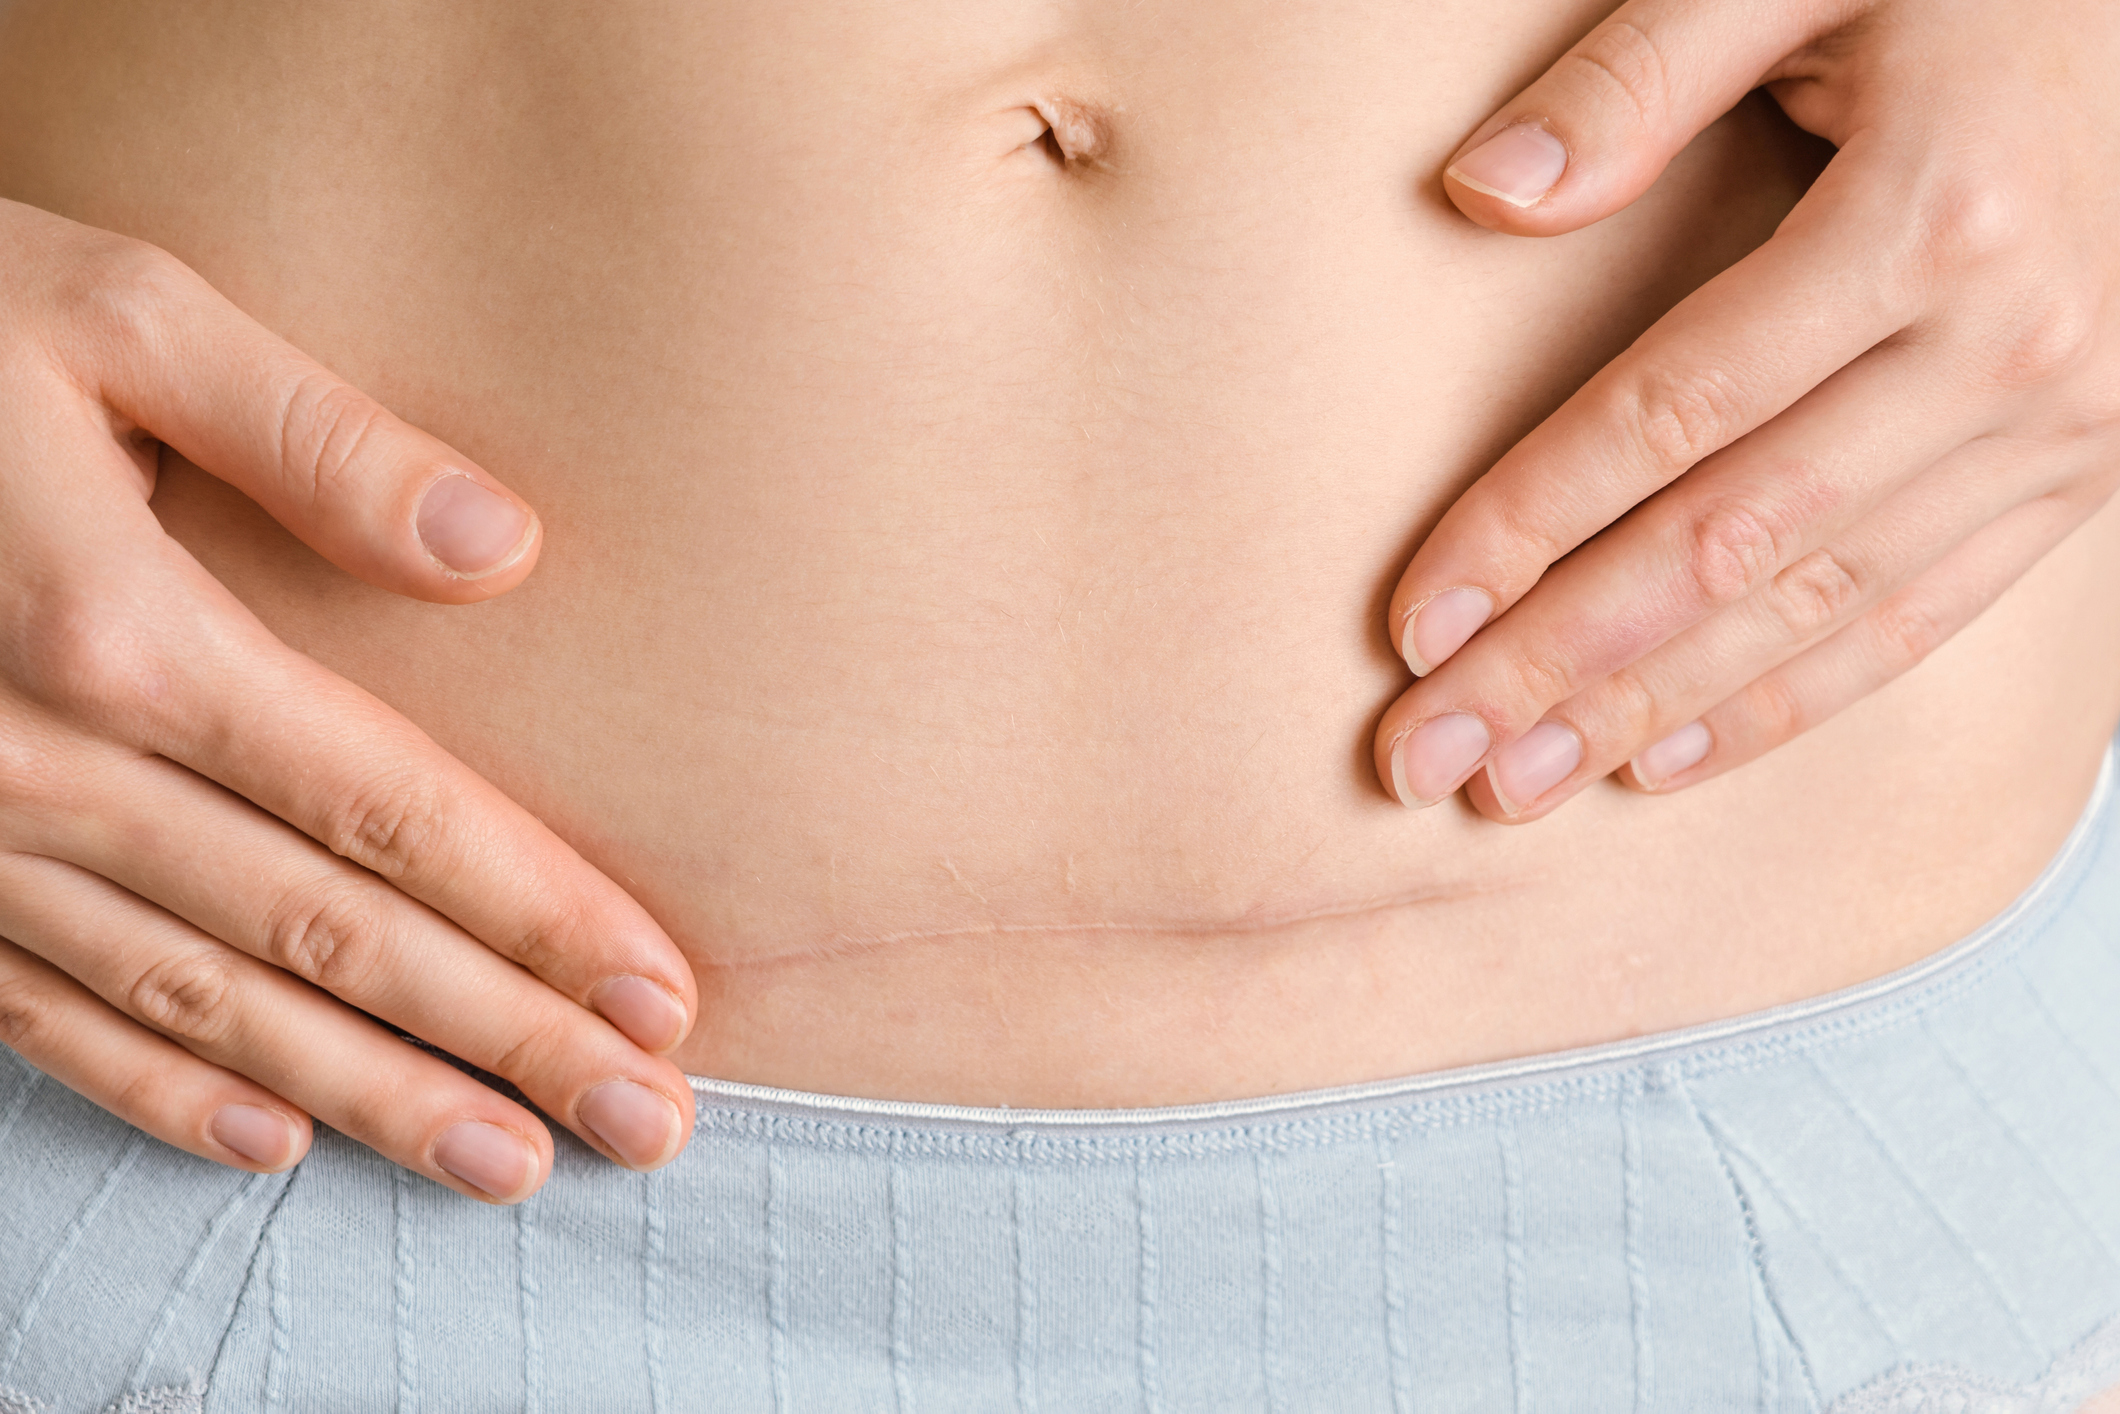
170 1399
2091 1367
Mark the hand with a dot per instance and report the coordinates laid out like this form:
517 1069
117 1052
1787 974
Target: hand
1828 459
215 855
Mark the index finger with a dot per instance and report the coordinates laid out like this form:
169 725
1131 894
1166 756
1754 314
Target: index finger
141 334
1595 130
1826 288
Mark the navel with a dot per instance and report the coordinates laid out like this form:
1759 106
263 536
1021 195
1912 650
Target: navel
1079 134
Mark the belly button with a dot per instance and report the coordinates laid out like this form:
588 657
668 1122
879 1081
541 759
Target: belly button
1077 133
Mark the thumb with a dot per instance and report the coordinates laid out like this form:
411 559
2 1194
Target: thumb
1599 127
374 495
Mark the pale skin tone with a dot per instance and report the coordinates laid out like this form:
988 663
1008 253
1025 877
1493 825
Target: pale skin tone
176 949
850 834
1792 497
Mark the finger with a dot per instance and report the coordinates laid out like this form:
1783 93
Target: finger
155 343
1701 545
1596 129
237 706
1733 355
235 1012
1709 541
158 654
237 874
1599 729
1884 643
151 1083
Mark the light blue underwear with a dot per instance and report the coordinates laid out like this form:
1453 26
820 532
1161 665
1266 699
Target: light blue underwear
1904 1197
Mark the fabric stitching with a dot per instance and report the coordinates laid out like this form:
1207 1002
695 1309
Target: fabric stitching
17 1103
2091 1365
166 1318
1505 1139
403 1292
651 1295
1269 1281
1590 1078
901 1291
1762 1357
1503 1105
279 1349
2045 1009
777 1281
2024 1149
83 1220
1151 1291
1755 1040
1755 1243
1632 1180
261 1252
1389 1204
1026 1302
526 1290
1310 1131
1974 1257
168 1399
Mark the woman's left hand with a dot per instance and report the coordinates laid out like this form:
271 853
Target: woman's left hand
1829 458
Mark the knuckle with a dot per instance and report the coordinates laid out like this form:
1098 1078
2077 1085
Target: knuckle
548 946
377 1111
145 1097
528 1059
1543 677
81 649
325 427
1906 630
1814 593
1629 709
329 936
1621 56
121 293
2049 338
1973 219
1681 418
391 827
1775 709
189 997
1733 547
1523 530
25 1012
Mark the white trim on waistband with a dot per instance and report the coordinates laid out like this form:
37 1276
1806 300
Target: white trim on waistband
1383 1092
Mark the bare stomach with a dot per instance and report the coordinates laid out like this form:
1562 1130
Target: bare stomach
961 621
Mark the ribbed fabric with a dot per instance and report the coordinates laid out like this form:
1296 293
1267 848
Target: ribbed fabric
1906 1199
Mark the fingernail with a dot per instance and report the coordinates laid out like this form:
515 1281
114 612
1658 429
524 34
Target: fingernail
258 1134
1435 757
1518 164
640 1126
651 1018
1440 626
1533 764
487 1157
470 530
1683 749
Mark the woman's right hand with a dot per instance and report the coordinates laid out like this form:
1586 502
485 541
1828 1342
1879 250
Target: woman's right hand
215 856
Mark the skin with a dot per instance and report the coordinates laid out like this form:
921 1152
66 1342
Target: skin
1826 462
171 941
960 622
